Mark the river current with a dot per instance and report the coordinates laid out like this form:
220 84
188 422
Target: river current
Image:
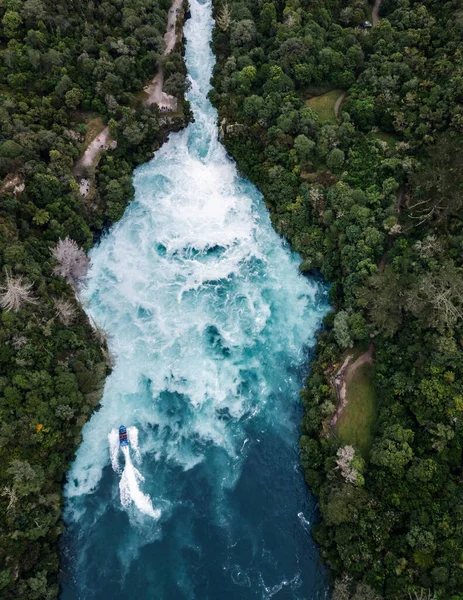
210 325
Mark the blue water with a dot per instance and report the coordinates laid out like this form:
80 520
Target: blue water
209 324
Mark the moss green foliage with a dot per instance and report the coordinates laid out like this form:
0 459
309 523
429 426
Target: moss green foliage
61 64
382 223
356 424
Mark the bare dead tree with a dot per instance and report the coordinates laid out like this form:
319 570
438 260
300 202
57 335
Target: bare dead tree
437 184
98 332
342 588
10 493
65 311
438 297
72 261
19 341
422 595
428 247
15 293
317 199
345 456
223 18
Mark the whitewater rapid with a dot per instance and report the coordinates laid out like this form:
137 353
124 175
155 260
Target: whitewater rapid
209 323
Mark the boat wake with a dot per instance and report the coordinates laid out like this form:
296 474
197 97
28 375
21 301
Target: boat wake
131 478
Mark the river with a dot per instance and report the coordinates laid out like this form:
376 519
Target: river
210 325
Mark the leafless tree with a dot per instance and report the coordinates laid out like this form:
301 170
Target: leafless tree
72 261
99 332
223 18
317 199
65 311
10 493
345 456
438 297
428 247
19 341
15 294
437 184
341 589
422 595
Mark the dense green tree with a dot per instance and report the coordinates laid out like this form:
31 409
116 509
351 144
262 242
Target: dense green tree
372 200
63 65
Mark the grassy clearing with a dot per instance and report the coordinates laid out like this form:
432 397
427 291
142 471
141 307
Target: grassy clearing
324 105
94 127
389 138
356 423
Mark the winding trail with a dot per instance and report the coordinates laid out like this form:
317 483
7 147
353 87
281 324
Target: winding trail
94 148
338 103
375 13
344 375
154 91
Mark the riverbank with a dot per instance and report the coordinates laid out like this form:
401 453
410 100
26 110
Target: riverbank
171 107
214 435
54 363
332 187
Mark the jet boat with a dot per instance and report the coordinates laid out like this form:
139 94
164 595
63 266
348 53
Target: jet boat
123 439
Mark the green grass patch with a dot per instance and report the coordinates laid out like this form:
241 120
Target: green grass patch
356 423
324 105
389 138
94 127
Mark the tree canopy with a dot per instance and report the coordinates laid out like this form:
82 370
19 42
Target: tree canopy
372 200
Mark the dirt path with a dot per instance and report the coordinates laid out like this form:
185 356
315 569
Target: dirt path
338 103
94 148
366 357
155 95
344 375
155 88
170 36
375 13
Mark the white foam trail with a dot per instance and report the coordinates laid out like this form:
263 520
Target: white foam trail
130 490
271 591
113 438
244 444
132 433
305 523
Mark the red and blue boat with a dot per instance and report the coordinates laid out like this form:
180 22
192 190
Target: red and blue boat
123 439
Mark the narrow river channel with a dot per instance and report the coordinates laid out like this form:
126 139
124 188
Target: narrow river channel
210 325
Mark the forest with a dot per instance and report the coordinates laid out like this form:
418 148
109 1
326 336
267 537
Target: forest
371 197
63 66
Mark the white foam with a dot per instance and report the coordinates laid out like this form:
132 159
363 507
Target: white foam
113 438
132 434
194 251
305 522
271 591
130 489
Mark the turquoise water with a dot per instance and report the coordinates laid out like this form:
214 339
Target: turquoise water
210 325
